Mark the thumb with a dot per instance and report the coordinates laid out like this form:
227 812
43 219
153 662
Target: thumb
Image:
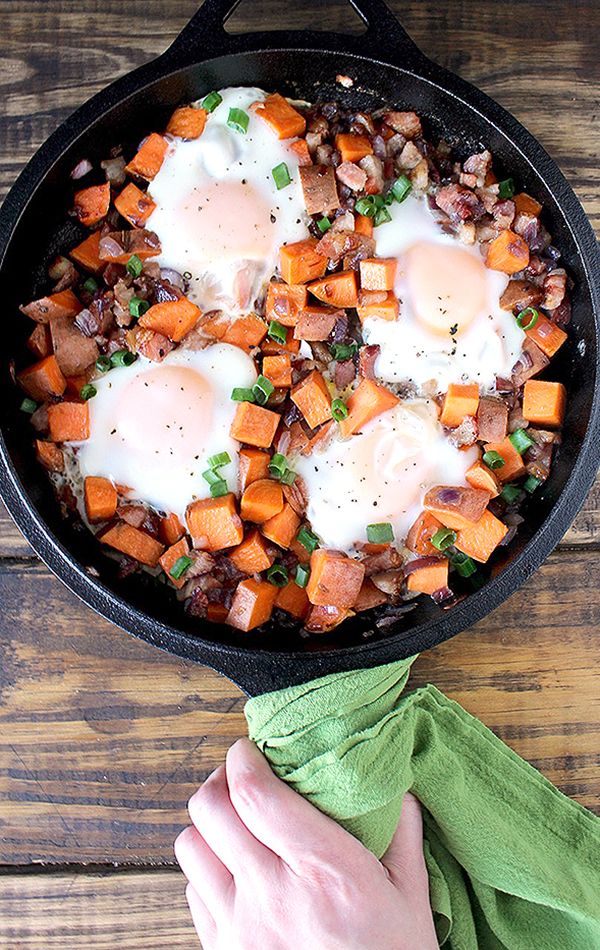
404 859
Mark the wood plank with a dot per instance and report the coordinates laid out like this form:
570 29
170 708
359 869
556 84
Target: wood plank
69 911
102 738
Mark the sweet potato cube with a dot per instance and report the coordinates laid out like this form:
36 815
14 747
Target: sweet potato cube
134 205
419 537
62 304
369 596
322 619
285 121
378 273
338 290
252 604
170 530
92 204
353 147
367 402
462 399
525 204
39 342
69 422
284 301
50 456
547 335
513 463
217 613
544 403
253 464
278 370
146 163
100 497
283 527
169 559
480 476
300 150
214 523
299 262
293 600
173 318
429 578
87 254
363 225
313 399
252 555
454 506
134 543
254 425
187 122
43 379
262 500
377 303
481 539
508 253
245 332
335 579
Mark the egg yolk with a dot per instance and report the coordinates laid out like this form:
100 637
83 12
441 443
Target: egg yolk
166 411
447 286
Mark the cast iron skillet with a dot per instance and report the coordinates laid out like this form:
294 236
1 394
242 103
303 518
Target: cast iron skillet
387 68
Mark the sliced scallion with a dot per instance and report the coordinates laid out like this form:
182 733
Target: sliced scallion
211 476
382 215
521 440
401 188
323 224
302 574
343 351
90 285
278 465
103 364
277 575
281 176
528 318
240 394
288 477
506 188
122 358
443 538
510 493
277 332
339 410
222 458
493 459
463 564
381 533
181 565
134 266
29 406
308 540
219 488
138 307
531 484
88 392
262 389
238 120
211 101
368 206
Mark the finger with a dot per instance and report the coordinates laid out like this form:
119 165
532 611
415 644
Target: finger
276 814
203 869
224 832
204 922
404 859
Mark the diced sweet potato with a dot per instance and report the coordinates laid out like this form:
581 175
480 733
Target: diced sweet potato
323 619
134 543
254 425
293 600
214 523
462 399
278 370
285 121
378 273
547 335
154 346
319 188
353 147
419 537
299 262
187 122
39 342
62 304
316 322
217 613
367 402
50 456
300 150
282 528
508 253
369 596
87 254
169 559
262 499
273 348
544 403
146 163
173 318
377 303
170 530
134 205
43 379
335 579
252 555
480 476
253 464
92 204
313 399
338 290
481 539
454 506
284 301
492 419
525 204
246 332
69 422
363 225
100 497
429 578
513 463
252 604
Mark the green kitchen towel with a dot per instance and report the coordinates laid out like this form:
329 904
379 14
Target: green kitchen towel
512 862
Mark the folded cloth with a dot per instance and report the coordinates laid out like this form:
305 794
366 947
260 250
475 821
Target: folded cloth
513 863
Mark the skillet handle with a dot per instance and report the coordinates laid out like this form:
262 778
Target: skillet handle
205 36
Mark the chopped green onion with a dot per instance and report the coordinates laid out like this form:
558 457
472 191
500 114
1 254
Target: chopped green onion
238 120
277 332
90 285
339 410
323 224
528 318
302 574
211 101
493 459
401 188
103 364
288 477
343 351
122 358
138 307
521 440
29 406
382 215
181 565
134 266
212 477
239 394
443 538
277 575
463 564
262 389
308 540
215 461
87 392
368 206
531 484
281 176
219 489
381 533
278 465
510 494
506 188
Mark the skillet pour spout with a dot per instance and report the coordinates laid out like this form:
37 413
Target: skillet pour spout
386 69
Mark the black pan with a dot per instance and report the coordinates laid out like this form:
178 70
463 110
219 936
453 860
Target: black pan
387 68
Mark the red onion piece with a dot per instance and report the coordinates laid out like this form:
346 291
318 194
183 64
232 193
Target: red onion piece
173 277
420 562
82 168
114 169
441 595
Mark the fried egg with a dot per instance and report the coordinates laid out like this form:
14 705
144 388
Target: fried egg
219 214
451 327
153 426
381 474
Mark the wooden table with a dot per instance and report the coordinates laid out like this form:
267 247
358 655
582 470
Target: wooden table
102 738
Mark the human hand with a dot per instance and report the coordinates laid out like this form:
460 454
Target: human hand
268 870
